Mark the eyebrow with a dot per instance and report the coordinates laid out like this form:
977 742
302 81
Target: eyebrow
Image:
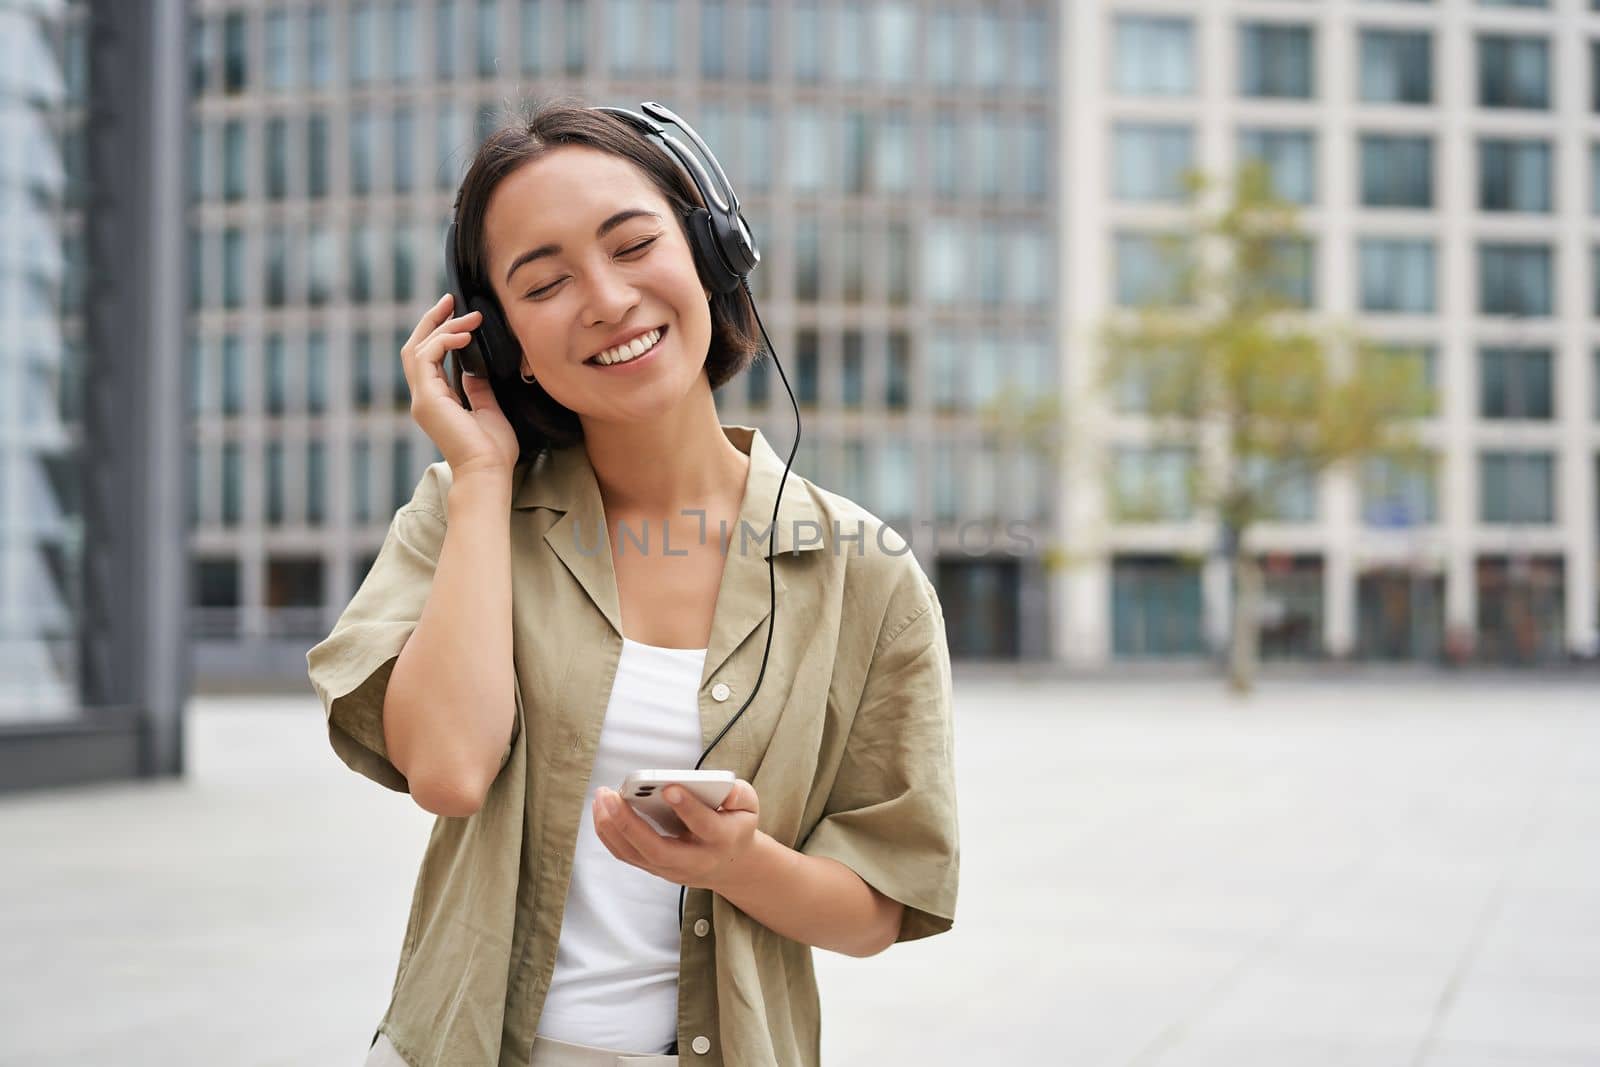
552 249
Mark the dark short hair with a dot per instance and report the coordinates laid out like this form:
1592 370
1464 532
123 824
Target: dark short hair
532 131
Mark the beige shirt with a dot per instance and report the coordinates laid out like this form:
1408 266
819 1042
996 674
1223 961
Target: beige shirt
849 745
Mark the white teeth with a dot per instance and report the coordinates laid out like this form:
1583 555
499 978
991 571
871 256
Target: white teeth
637 347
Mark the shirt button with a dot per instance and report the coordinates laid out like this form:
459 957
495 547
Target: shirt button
701 928
720 691
701 1044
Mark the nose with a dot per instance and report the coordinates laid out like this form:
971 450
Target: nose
610 297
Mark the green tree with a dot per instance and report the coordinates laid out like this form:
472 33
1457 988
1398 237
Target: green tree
1234 371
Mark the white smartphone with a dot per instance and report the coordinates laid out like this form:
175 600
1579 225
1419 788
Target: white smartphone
642 790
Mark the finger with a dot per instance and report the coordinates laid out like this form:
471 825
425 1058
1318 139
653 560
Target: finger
470 321
422 369
479 393
430 320
655 847
742 798
431 354
700 818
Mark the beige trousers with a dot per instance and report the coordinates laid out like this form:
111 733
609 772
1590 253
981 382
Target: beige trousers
546 1053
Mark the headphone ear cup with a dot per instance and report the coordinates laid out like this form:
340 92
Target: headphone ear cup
494 338
714 271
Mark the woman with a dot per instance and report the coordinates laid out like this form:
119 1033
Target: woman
507 668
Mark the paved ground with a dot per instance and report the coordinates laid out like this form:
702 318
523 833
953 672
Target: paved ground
1378 873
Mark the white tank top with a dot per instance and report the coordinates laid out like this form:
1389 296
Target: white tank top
615 984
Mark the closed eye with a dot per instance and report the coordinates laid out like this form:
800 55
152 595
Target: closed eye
629 251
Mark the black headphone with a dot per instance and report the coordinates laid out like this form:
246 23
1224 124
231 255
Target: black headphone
725 253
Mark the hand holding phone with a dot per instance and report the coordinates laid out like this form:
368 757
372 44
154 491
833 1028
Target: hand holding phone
642 790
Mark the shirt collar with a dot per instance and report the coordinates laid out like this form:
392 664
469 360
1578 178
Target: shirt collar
563 480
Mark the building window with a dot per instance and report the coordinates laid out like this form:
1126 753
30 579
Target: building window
1418 365
363 263
277 157
361 480
1283 492
1513 72
805 42
317 156
852 369
277 370
1396 67
402 479
944 261
1515 383
758 41
444 39
363 146
401 274
1516 487
808 150
807 258
1157 607
319 47
1396 171
232 374
404 30
947 158
403 137
1148 271
1276 61
362 388
1397 275
316 482
947 372
320 264
1154 56
233 250
232 483
1290 159
1292 277
1151 161
897 387
808 360
363 44
1594 75
575 39
897 250
487 43
316 372
273 486
1399 493
1513 175
1515 279
235 53
713 39
1153 484
279 53
233 160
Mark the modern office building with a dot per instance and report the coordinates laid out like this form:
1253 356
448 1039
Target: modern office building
93 657
1446 156
896 162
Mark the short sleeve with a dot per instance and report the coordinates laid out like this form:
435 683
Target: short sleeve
891 812
350 668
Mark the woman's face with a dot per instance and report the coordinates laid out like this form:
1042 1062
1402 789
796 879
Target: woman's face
583 289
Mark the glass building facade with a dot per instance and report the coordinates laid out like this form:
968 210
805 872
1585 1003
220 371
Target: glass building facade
42 158
93 661
896 163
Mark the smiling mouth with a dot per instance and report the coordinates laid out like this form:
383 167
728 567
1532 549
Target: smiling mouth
594 360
